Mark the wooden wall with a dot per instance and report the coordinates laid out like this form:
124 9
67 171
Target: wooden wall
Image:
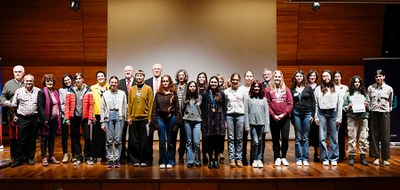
46 36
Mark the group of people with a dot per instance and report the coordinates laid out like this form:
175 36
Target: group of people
202 113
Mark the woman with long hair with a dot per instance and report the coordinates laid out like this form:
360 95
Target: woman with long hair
66 85
312 78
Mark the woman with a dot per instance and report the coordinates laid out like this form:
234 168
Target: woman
166 117
342 89
381 96
256 119
312 78
235 97
202 85
49 114
248 80
66 85
303 115
328 115
99 136
113 111
192 122
221 84
213 112
280 103
357 119
80 96
181 79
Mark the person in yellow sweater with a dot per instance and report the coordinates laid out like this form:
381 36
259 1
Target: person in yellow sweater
140 104
98 135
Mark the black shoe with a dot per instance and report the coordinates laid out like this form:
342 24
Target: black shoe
363 160
317 158
190 165
216 163
197 164
15 164
31 162
211 164
342 158
351 160
244 162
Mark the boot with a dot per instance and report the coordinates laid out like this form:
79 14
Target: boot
363 160
351 160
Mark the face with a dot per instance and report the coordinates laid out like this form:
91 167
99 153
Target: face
220 81
165 82
101 78
267 75
128 71
235 81
379 79
357 83
202 79
157 69
326 77
249 77
28 81
49 83
299 77
312 78
139 78
214 83
113 84
181 77
67 81
18 73
78 81
192 87
278 78
256 88
337 78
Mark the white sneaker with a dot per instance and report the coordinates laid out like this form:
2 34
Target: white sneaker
260 164
284 162
75 162
386 163
162 166
376 162
255 164
305 162
169 166
65 158
137 164
334 163
299 163
278 162
325 163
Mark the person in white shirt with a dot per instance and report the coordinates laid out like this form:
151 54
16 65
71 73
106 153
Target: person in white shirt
342 89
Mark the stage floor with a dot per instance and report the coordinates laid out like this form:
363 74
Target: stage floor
310 177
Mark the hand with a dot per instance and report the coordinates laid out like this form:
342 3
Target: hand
16 119
311 119
130 121
103 127
350 106
276 118
317 122
90 122
68 122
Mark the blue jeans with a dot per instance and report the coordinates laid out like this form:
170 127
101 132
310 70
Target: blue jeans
302 126
192 141
257 132
166 135
114 135
327 118
235 136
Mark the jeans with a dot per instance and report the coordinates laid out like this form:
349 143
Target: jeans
257 132
302 126
327 119
193 131
47 141
235 136
114 135
166 135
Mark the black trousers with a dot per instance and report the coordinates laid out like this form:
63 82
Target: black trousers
26 143
99 140
139 148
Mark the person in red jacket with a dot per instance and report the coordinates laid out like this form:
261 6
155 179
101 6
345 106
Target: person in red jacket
79 111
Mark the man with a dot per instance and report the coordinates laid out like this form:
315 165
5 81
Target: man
125 84
7 95
25 110
140 104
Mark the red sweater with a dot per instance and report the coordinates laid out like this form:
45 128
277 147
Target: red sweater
279 105
87 104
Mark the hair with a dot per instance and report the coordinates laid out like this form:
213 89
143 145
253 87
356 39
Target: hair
113 77
78 75
337 72
235 74
260 94
273 85
294 81
380 72
330 84
247 72
184 72
171 87
189 95
48 77
217 91
63 82
101 72
361 89
29 75
22 68
140 72
311 71
205 85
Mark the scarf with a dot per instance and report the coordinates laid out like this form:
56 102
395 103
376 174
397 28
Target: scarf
47 110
